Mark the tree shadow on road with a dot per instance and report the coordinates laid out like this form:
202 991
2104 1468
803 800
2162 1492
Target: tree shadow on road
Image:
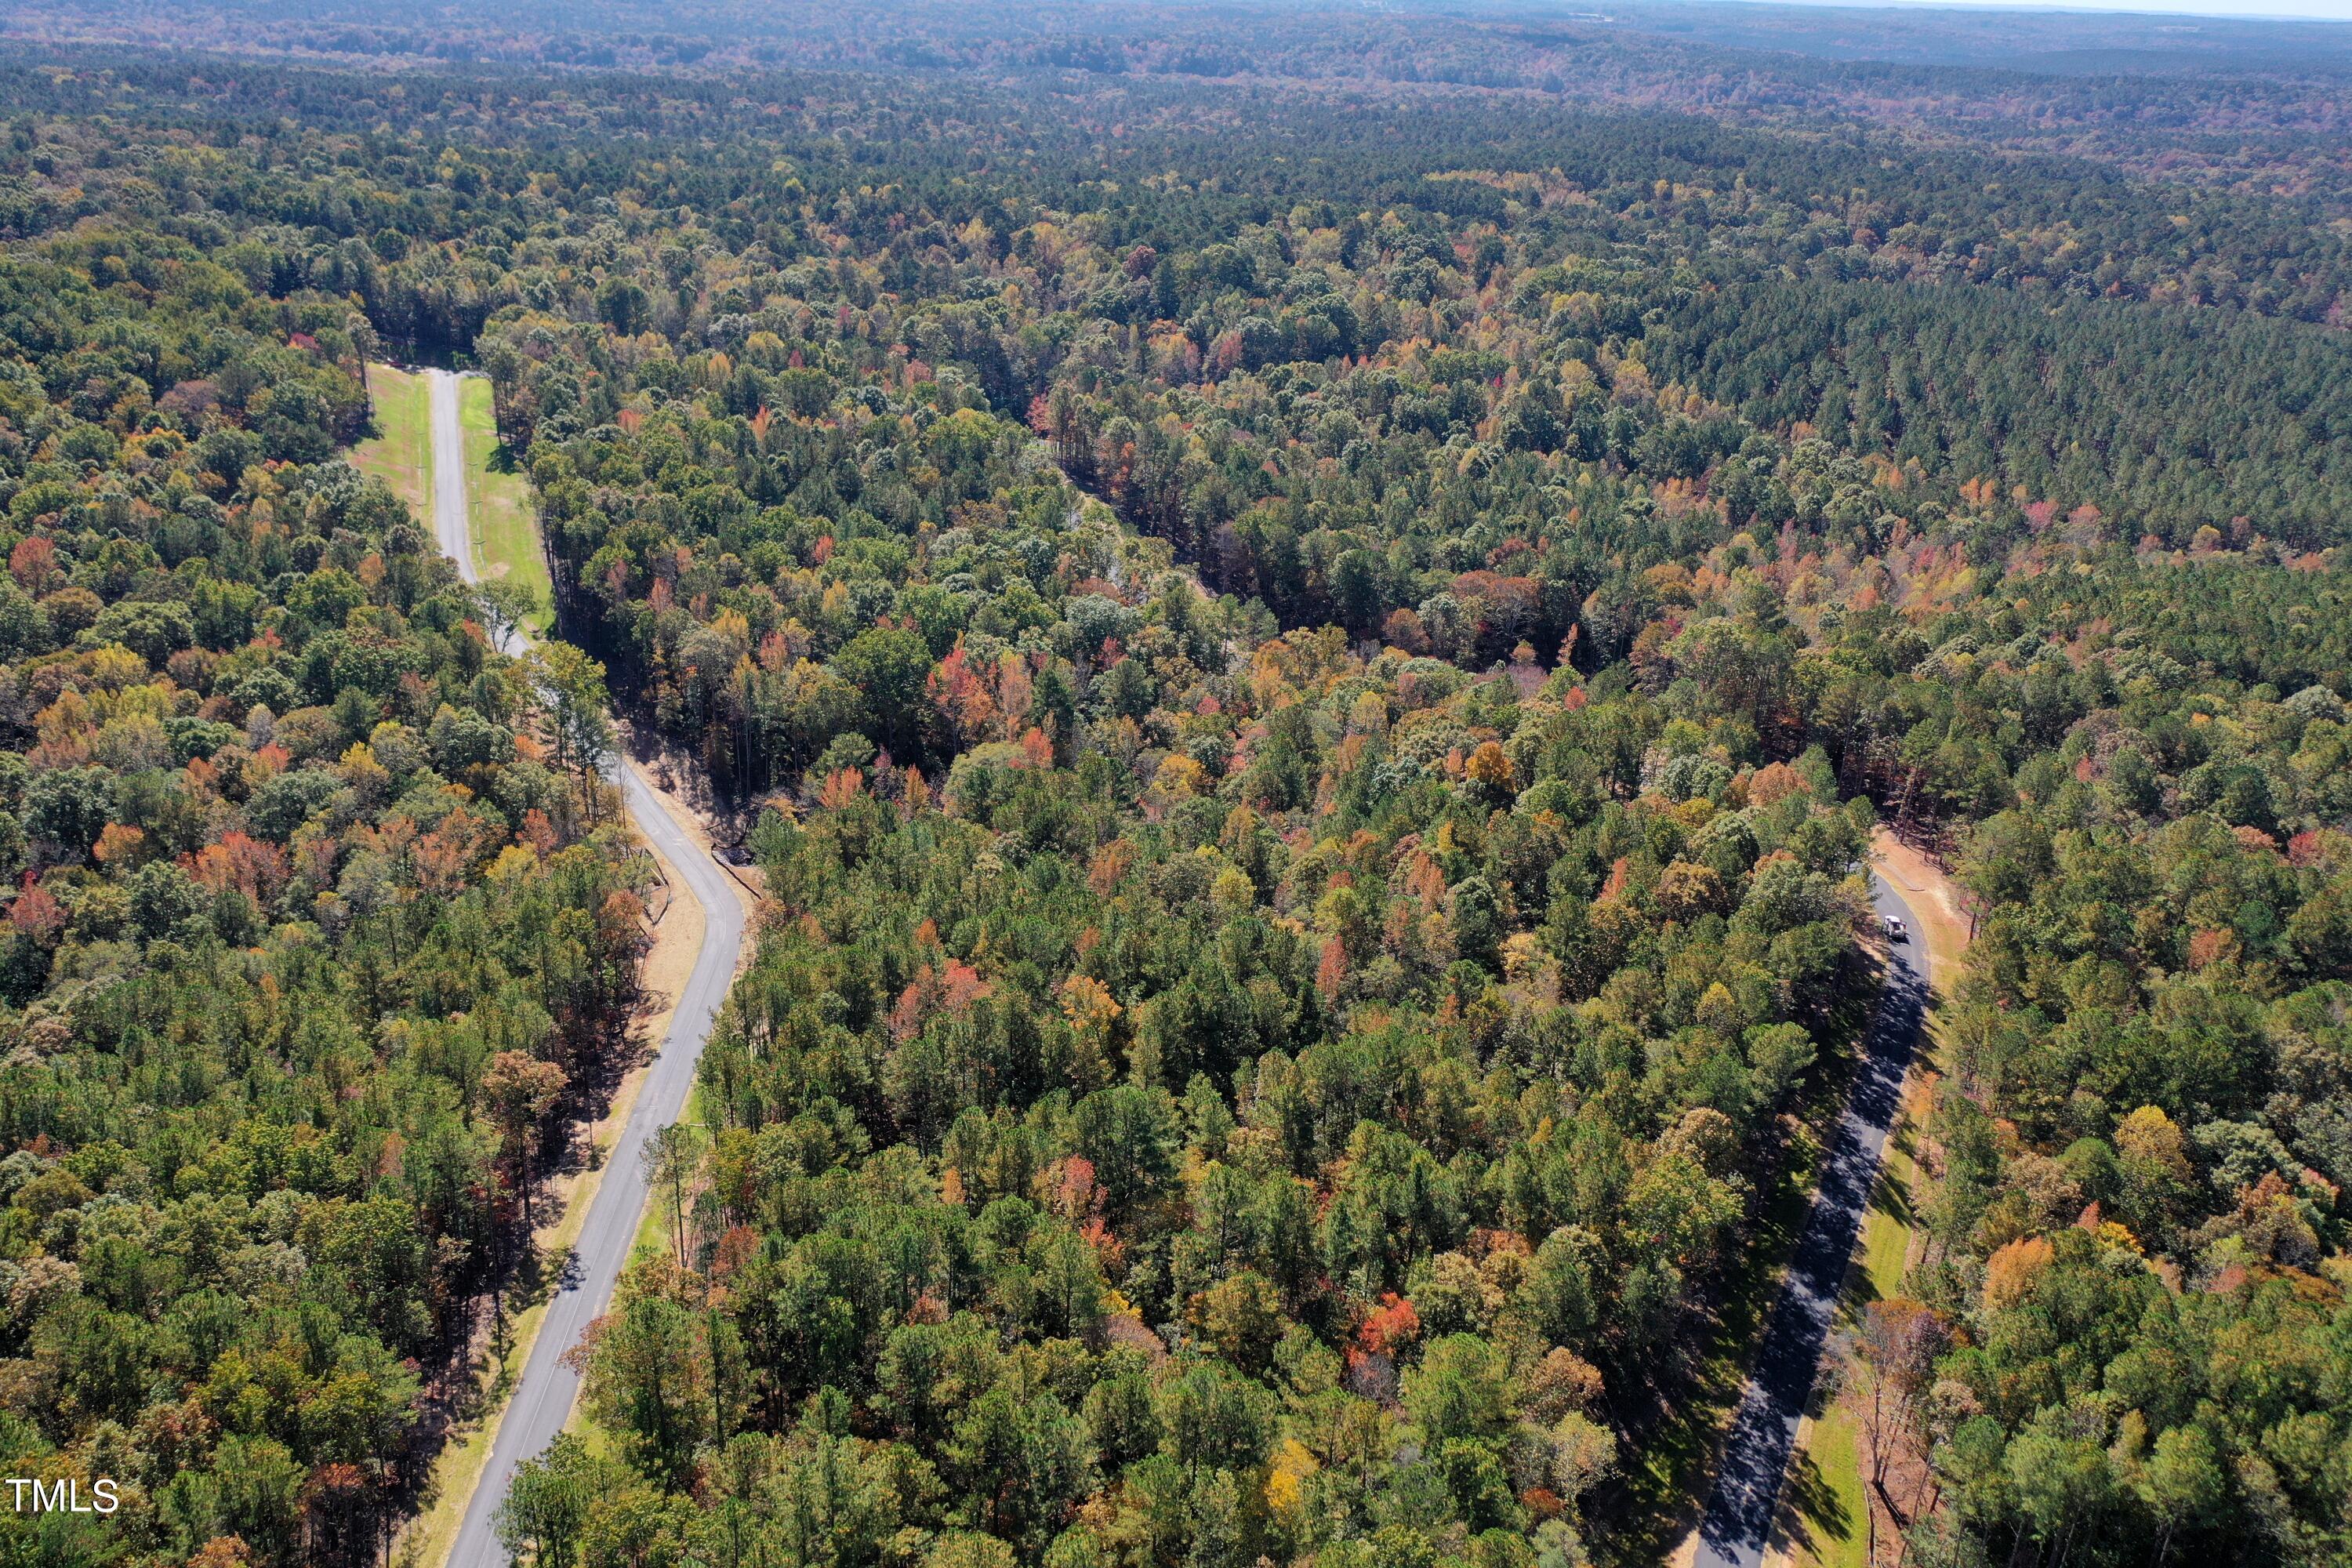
1890 1197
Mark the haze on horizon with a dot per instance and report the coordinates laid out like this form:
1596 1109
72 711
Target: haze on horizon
2236 10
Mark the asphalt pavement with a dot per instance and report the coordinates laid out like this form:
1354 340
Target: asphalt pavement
542 1401
1753 1463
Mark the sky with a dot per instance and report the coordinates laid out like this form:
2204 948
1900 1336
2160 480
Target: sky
2335 10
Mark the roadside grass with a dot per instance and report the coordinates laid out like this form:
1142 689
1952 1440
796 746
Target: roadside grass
1887 1224
1823 1524
1821 1513
400 451
498 503
654 1236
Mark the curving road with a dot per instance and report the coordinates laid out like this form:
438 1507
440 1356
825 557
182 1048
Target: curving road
1755 1457
542 1401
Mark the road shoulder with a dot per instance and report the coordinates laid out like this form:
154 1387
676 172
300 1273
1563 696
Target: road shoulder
1819 1523
678 930
674 939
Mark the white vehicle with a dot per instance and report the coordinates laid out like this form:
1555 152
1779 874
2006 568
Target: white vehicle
1895 929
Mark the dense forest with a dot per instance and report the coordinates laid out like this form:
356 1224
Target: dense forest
311 934
2254 106
1309 653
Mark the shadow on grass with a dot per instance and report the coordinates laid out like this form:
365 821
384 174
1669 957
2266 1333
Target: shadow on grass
502 461
1890 1199
1891 1196
1811 1513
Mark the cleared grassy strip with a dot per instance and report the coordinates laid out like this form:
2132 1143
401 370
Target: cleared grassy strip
498 504
1821 1514
400 453
1886 1227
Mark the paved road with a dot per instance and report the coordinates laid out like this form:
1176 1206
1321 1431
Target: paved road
1755 1457
541 1402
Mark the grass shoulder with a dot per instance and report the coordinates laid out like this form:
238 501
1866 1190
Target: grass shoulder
1821 1523
498 503
399 448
